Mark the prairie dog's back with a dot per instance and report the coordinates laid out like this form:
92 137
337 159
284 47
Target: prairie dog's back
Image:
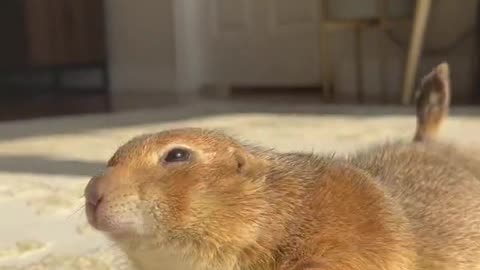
439 195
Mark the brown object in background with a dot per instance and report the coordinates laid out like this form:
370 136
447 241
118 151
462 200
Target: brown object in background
44 40
13 39
39 33
476 59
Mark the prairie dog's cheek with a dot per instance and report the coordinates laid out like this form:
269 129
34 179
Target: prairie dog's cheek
154 204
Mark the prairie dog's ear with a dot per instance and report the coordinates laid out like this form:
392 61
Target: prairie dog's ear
240 161
246 163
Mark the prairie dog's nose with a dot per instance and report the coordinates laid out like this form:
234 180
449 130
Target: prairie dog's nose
93 192
93 196
103 184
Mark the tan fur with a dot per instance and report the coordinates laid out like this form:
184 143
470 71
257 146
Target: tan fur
403 206
399 206
440 196
433 101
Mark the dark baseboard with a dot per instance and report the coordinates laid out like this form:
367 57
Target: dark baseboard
247 90
18 107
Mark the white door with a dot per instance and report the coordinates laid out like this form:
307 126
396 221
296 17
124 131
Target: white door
247 42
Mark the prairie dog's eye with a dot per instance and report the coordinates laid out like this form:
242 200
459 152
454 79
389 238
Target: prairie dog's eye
177 155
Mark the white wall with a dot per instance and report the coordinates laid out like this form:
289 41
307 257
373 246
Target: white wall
141 45
191 57
153 43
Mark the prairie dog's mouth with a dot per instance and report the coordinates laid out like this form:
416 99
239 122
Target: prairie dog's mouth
113 224
90 211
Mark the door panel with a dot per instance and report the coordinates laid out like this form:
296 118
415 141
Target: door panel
64 32
13 39
39 27
288 17
230 17
263 41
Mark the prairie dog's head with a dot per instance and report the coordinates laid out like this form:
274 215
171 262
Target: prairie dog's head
183 187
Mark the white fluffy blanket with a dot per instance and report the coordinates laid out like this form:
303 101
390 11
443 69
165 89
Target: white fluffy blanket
45 164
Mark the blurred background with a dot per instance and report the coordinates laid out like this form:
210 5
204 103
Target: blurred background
84 56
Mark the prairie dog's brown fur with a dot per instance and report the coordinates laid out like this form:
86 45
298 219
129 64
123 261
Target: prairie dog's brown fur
433 102
230 206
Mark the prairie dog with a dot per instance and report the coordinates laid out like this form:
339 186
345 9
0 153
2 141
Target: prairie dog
211 202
